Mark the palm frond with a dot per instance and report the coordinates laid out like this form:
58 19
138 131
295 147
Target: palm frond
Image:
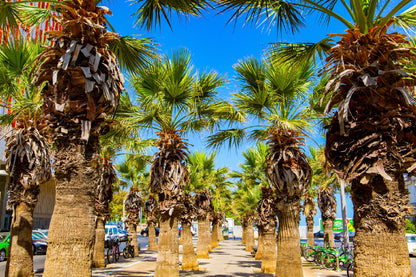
151 12
33 15
284 14
234 138
9 14
133 52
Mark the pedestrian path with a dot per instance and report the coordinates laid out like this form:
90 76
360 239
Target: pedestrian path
227 260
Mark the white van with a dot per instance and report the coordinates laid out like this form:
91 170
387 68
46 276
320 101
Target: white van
111 232
411 244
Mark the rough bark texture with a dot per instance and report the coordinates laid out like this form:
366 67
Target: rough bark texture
77 171
289 263
310 237
220 237
99 254
380 247
168 254
250 234
260 244
328 206
189 261
269 257
132 229
20 261
214 235
152 236
244 231
203 238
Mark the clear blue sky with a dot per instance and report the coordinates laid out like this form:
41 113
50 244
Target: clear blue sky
214 45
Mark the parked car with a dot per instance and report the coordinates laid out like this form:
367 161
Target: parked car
319 234
411 244
145 232
112 233
4 246
39 243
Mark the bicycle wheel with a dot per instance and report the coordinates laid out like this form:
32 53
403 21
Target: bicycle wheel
350 270
126 253
131 251
309 254
330 261
110 255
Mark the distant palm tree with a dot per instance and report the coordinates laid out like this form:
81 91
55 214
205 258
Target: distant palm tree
27 149
274 94
189 259
152 211
174 100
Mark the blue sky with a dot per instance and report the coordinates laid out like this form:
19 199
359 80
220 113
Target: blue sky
214 45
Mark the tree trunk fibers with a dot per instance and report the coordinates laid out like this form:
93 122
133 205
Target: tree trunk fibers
203 239
209 234
168 253
220 237
99 256
289 263
152 236
268 261
380 247
244 233
20 260
250 236
260 244
72 229
189 261
132 229
309 236
329 233
214 235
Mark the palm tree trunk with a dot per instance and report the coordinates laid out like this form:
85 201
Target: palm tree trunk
219 229
259 253
268 261
99 256
20 260
203 238
380 247
132 229
249 236
329 233
189 261
214 235
289 263
244 234
310 237
168 255
72 229
152 236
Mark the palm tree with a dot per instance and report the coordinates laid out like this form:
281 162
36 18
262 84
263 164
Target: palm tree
132 204
189 260
76 102
104 196
267 220
309 209
174 100
274 94
203 204
369 89
27 149
152 211
328 206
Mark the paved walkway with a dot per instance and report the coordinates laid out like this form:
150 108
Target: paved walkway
229 259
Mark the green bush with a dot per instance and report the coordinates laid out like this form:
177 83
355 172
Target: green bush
410 227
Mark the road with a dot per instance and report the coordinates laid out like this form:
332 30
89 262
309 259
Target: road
39 260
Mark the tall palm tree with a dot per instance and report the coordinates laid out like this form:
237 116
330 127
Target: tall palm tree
189 260
174 100
274 94
204 207
83 87
328 206
309 210
27 149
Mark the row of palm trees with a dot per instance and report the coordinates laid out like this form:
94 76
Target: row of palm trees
369 140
